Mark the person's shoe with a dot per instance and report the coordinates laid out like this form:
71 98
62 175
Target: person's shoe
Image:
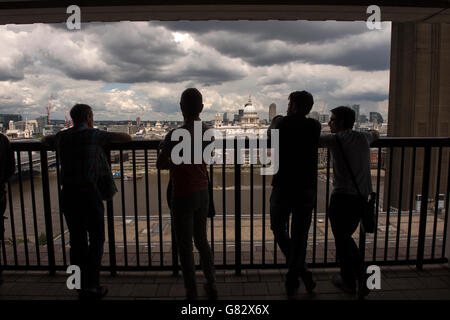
211 291
191 295
363 291
93 294
340 284
307 279
291 286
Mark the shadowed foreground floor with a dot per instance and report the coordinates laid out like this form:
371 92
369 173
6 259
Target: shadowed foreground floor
397 283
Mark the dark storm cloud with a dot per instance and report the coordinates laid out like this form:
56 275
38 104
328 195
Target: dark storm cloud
208 75
10 75
15 107
268 53
269 43
362 58
203 76
290 31
134 53
374 96
14 71
167 105
172 106
146 47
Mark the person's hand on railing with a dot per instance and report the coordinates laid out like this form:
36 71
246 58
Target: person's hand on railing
376 134
163 160
49 141
119 137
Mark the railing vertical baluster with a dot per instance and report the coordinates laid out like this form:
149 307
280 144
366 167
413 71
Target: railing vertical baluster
377 209
251 213
124 221
22 209
161 249
211 179
411 203
47 212
388 210
400 198
327 200
423 207
13 227
111 232
3 258
362 243
447 202
275 248
315 233
315 226
136 217
147 210
175 265
263 247
224 206
436 203
237 208
33 208
61 218
275 251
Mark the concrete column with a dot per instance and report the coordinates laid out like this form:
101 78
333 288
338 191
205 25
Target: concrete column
419 101
447 245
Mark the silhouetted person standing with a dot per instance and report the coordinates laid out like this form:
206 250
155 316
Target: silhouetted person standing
345 208
7 167
190 199
295 186
82 163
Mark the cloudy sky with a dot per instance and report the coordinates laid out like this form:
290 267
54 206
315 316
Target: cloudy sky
129 69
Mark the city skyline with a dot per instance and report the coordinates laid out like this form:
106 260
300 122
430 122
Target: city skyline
138 69
312 114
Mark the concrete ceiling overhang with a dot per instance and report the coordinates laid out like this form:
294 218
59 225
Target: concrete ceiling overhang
36 11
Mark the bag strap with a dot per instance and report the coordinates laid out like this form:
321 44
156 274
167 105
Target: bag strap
348 165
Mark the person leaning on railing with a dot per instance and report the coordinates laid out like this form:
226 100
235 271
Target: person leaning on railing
7 167
87 181
295 187
351 151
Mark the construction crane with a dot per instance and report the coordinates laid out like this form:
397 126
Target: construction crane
49 108
68 123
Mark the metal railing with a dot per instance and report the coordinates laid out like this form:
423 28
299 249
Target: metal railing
138 223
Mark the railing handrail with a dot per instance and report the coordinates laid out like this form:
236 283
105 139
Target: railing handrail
36 145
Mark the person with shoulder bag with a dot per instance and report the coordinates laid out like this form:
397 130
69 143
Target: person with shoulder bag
352 200
87 181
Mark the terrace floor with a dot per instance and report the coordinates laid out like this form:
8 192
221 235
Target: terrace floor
397 283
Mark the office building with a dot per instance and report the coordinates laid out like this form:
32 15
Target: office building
272 111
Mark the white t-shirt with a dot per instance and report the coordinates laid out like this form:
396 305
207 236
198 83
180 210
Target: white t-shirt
356 148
